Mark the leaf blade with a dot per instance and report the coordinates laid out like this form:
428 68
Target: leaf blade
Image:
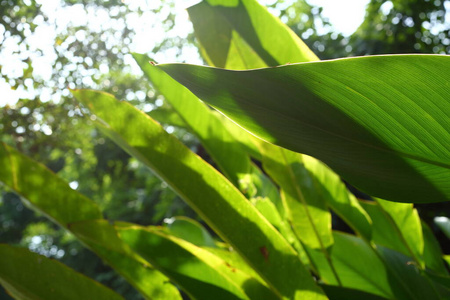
18 274
332 110
198 184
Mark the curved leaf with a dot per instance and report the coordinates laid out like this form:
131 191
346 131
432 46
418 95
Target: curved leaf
409 276
191 231
68 207
200 273
57 200
101 237
432 253
214 198
242 34
340 293
381 122
27 275
338 197
202 122
357 266
305 207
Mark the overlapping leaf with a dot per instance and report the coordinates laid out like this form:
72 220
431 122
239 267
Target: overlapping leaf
217 40
67 207
200 119
242 34
102 238
205 190
200 273
378 121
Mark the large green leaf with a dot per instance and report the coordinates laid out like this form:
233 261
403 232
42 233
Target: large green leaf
381 122
215 199
200 273
28 276
242 34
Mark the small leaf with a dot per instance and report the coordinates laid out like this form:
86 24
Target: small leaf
191 231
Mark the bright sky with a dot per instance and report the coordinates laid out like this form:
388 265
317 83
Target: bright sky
344 15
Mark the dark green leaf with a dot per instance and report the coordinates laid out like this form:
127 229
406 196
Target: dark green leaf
404 270
432 253
378 121
341 293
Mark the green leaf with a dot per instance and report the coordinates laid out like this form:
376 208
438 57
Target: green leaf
305 207
341 293
432 253
244 35
268 202
167 116
57 200
357 266
441 282
202 122
408 275
407 224
213 197
338 197
101 237
395 226
377 121
66 207
191 231
27 275
200 273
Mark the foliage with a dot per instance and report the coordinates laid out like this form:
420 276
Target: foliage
273 218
